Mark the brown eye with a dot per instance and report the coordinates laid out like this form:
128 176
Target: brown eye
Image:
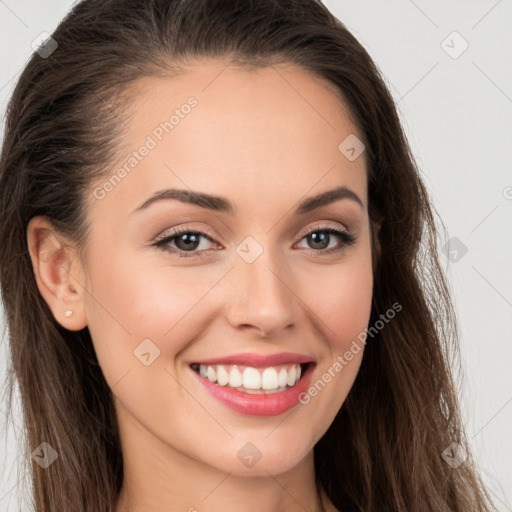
185 241
319 239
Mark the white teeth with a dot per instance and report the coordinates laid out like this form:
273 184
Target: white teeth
222 376
282 378
210 373
291 376
253 380
235 378
269 379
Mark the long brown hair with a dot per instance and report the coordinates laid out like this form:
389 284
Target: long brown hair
383 452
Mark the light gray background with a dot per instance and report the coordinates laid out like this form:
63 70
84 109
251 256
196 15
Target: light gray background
457 113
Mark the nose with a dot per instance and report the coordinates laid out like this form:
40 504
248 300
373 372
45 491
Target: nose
261 295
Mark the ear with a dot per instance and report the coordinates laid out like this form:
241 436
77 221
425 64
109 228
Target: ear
59 273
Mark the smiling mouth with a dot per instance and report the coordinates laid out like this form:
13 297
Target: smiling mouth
251 380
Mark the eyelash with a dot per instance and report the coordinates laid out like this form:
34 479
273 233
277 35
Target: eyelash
346 238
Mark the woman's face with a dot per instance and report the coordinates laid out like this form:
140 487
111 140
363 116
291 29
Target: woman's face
244 277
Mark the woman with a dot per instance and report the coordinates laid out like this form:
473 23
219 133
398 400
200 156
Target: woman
220 270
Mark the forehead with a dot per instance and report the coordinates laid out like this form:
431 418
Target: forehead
250 130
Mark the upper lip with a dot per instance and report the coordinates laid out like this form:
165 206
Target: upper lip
258 360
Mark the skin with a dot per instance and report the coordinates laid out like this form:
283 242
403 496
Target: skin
265 139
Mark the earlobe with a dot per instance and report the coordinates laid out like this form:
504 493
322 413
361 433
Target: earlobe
58 273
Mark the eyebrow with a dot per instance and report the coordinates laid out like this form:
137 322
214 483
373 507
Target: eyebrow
221 204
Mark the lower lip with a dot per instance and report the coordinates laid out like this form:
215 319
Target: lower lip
261 404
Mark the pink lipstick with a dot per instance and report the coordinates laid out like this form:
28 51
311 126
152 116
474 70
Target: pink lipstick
256 384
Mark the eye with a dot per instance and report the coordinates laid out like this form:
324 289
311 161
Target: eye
320 237
188 241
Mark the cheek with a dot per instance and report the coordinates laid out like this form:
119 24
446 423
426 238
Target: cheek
342 300
349 308
342 305
137 308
